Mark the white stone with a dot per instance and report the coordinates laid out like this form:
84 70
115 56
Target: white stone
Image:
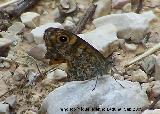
102 38
16 28
5 42
130 47
146 87
30 19
50 75
155 111
9 35
130 25
108 93
59 74
64 3
28 37
11 100
38 52
19 73
7 64
139 76
127 8
56 14
4 109
103 8
69 25
38 32
56 75
32 76
68 6
53 76
53 4
148 64
69 18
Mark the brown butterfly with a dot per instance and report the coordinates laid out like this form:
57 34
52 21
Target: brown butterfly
83 60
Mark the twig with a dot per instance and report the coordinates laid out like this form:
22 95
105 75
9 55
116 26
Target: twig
40 73
8 92
148 52
16 7
116 71
38 69
152 105
12 10
7 3
20 6
139 6
146 38
87 16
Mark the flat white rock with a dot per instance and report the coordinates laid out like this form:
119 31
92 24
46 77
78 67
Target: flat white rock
129 25
78 95
38 32
102 38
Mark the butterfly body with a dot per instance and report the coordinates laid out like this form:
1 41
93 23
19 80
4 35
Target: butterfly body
84 61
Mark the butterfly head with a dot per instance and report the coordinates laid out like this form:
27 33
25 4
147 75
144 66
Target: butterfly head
59 43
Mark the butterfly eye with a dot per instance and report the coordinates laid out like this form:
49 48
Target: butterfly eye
63 39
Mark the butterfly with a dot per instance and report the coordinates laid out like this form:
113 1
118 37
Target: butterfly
83 60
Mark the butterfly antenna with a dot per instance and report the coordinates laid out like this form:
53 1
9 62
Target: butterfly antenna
95 83
112 71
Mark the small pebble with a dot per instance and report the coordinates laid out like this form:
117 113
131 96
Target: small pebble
4 108
69 25
130 47
139 76
11 100
5 42
127 8
30 19
118 4
6 64
148 64
28 37
16 28
103 8
59 74
38 52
